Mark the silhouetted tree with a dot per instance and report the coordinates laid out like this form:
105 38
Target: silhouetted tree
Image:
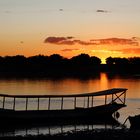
109 60
134 60
81 60
56 60
15 61
1 63
37 63
55 57
38 60
95 60
121 61
117 60
1 60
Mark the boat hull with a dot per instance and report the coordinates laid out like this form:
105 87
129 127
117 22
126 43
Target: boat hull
101 114
134 122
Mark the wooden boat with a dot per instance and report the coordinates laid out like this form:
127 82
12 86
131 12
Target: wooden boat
134 122
49 116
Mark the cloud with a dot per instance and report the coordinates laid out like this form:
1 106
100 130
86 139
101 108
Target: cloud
21 42
107 41
116 41
7 12
54 39
136 38
130 51
60 9
107 51
69 50
101 11
135 51
59 40
70 37
66 41
84 42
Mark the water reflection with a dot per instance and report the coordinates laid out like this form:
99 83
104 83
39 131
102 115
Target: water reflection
52 130
70 85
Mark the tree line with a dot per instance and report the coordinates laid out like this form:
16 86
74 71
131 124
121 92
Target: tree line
56 64
53 65
123 61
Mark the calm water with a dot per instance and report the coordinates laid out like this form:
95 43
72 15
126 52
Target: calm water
74 86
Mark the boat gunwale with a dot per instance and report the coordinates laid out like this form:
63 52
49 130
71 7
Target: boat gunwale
98 93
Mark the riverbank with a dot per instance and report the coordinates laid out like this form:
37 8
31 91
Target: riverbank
97 134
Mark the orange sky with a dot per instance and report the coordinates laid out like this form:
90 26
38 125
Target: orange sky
68 27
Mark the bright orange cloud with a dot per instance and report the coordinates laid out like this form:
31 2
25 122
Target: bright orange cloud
134 51
68 50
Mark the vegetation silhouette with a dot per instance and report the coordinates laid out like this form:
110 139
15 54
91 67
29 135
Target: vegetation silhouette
123 65
57 65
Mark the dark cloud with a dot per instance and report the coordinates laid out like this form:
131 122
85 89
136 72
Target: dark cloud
66 41
136 38
70 37
101 11
7 11
60 40
68 50
60 9
107 41
55 40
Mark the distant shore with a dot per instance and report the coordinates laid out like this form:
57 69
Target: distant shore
56 65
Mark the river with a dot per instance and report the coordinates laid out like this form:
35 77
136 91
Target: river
53 86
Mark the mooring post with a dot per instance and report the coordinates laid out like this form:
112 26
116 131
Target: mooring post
74 102
38 104
49 104
92 102
3 101
26 104
105 99
88 102
14 103
62 103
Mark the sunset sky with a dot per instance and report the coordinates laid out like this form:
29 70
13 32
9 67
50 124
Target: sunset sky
99 28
